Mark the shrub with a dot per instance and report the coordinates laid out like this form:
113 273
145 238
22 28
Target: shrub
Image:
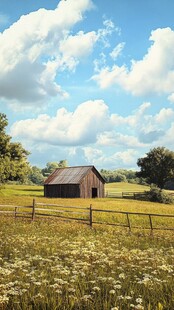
158 195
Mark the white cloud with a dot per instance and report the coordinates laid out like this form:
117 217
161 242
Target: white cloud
153 74
165 115
117 139
171 98
119 159
29 52
91 122
76 47
117 50
66 128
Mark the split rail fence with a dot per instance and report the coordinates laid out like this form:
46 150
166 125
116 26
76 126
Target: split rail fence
126 195
88 215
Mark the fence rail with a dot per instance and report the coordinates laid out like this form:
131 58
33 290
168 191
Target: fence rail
66 213
126 194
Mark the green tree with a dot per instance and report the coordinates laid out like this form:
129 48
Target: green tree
51 166
13 157
157 166
36 176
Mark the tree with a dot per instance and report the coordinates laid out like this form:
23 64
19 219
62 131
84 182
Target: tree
51 166
157 166
36 176
13 157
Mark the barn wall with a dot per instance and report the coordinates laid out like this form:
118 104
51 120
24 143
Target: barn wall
62 190
89 182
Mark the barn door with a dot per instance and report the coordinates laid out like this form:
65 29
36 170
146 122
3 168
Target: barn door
94 192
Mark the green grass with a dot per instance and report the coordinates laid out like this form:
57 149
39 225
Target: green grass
52 265
21 190
125 187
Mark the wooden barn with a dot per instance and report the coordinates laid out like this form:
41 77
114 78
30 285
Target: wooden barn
75 182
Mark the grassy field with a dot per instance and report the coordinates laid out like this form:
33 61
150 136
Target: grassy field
52 265
125 187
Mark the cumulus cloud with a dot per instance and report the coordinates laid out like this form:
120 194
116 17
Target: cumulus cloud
66 128
91 122
153 74
95 156
116 139
37 47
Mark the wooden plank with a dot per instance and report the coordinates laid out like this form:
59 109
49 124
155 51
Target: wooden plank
14 206
61 211
66 207
133 213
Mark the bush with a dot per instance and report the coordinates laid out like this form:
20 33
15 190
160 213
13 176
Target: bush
158 195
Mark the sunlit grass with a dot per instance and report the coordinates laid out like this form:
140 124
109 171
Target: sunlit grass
125 187
46 265
52 265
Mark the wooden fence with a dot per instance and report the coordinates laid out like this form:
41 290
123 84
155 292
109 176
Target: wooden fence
126 195
85 215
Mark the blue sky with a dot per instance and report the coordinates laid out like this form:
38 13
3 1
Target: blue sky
88 81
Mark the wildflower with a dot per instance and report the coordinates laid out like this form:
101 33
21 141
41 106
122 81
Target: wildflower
122 276
96 288
139 300
114 308
58 292
128 297
3 299
112 292
86 297
117 286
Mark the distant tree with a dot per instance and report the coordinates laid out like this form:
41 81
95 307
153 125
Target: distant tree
36 176
13 157
51 166
119 175
157 166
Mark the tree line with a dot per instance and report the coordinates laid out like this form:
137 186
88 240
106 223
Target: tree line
156 167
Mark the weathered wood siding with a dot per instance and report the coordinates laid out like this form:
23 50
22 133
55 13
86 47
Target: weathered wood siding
62 190
91 181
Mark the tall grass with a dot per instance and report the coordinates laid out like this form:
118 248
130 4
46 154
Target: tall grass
51 265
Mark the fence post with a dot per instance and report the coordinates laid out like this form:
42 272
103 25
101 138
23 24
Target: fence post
90 215
128 221
151 226
15 213
33 211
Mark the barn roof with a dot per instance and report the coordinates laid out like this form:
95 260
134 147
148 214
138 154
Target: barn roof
71 175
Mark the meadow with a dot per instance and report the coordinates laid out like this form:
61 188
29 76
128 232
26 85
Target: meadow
52 265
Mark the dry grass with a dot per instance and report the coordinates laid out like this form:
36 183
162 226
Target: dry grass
51 265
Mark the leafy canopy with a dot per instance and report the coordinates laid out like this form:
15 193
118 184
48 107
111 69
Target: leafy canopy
13 157
51 166
157 166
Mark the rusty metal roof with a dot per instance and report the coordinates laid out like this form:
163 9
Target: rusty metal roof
70 175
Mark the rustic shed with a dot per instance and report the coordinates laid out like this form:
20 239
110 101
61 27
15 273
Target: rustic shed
75 182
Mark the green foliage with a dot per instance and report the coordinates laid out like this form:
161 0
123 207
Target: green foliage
13 157
158 195
169 184
120 175
51 166
157 167
36 176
